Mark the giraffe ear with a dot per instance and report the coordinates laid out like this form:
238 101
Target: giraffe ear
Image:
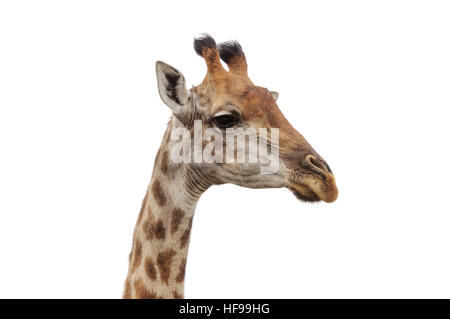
275 94
172 87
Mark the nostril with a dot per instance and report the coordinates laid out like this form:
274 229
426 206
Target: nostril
316 165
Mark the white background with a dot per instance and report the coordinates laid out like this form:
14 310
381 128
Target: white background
366 82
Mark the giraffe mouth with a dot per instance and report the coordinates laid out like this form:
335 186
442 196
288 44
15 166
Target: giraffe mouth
303 193
310 188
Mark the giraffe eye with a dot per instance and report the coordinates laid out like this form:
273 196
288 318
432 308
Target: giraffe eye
226 120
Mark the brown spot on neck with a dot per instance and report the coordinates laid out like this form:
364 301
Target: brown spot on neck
177 217
142 292
159 230
164 261
147 226
185 237
181 272
137 255
150 269
158 193
143 207
165 163
154 230
176 295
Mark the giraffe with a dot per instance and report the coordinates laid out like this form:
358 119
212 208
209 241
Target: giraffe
223 100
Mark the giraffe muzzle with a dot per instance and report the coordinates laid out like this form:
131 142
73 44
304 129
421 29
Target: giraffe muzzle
315 183
325 190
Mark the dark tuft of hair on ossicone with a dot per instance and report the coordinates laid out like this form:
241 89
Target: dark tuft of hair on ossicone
229 50
203 42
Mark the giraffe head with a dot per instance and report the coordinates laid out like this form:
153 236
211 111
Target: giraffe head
229 99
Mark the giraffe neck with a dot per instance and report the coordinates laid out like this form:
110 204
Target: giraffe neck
162 232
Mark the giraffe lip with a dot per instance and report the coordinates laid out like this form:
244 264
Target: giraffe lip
303 192
311 189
